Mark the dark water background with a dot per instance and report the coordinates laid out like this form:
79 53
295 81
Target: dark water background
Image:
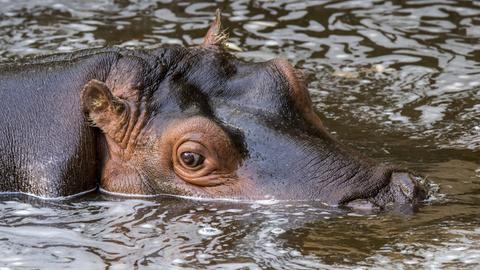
397 80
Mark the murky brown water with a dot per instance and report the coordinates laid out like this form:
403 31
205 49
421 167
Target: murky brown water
397 80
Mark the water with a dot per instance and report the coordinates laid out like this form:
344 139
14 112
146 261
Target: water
399 81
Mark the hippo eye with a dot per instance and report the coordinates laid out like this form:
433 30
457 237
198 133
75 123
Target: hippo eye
191 159
201 152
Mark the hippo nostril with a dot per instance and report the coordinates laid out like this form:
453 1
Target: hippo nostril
409 185
404 182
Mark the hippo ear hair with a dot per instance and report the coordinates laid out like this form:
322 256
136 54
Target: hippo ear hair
104 110
215 35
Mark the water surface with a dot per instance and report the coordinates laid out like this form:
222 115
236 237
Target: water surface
396 80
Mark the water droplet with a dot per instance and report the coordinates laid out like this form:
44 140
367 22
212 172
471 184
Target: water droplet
267 202
233 47
255 206
279 221
342 56
278 231
147 226
295 253
209 231
204 256
379 68
178 261
271 43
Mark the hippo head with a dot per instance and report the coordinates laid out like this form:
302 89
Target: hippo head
200 122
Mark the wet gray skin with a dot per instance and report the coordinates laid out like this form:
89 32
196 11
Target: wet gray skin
396 82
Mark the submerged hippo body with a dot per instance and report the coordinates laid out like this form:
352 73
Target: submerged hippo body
183 121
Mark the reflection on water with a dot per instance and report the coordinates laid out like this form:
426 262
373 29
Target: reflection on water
169 233
398 81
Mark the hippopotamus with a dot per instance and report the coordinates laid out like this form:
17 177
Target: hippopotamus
189 121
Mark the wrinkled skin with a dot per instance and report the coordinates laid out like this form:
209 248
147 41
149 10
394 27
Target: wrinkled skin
184 121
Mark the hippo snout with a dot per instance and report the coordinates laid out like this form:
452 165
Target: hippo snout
404 188
401 188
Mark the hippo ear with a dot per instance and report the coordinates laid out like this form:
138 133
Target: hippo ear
105 110
215 35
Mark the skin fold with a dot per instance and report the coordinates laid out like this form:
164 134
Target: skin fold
184 121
